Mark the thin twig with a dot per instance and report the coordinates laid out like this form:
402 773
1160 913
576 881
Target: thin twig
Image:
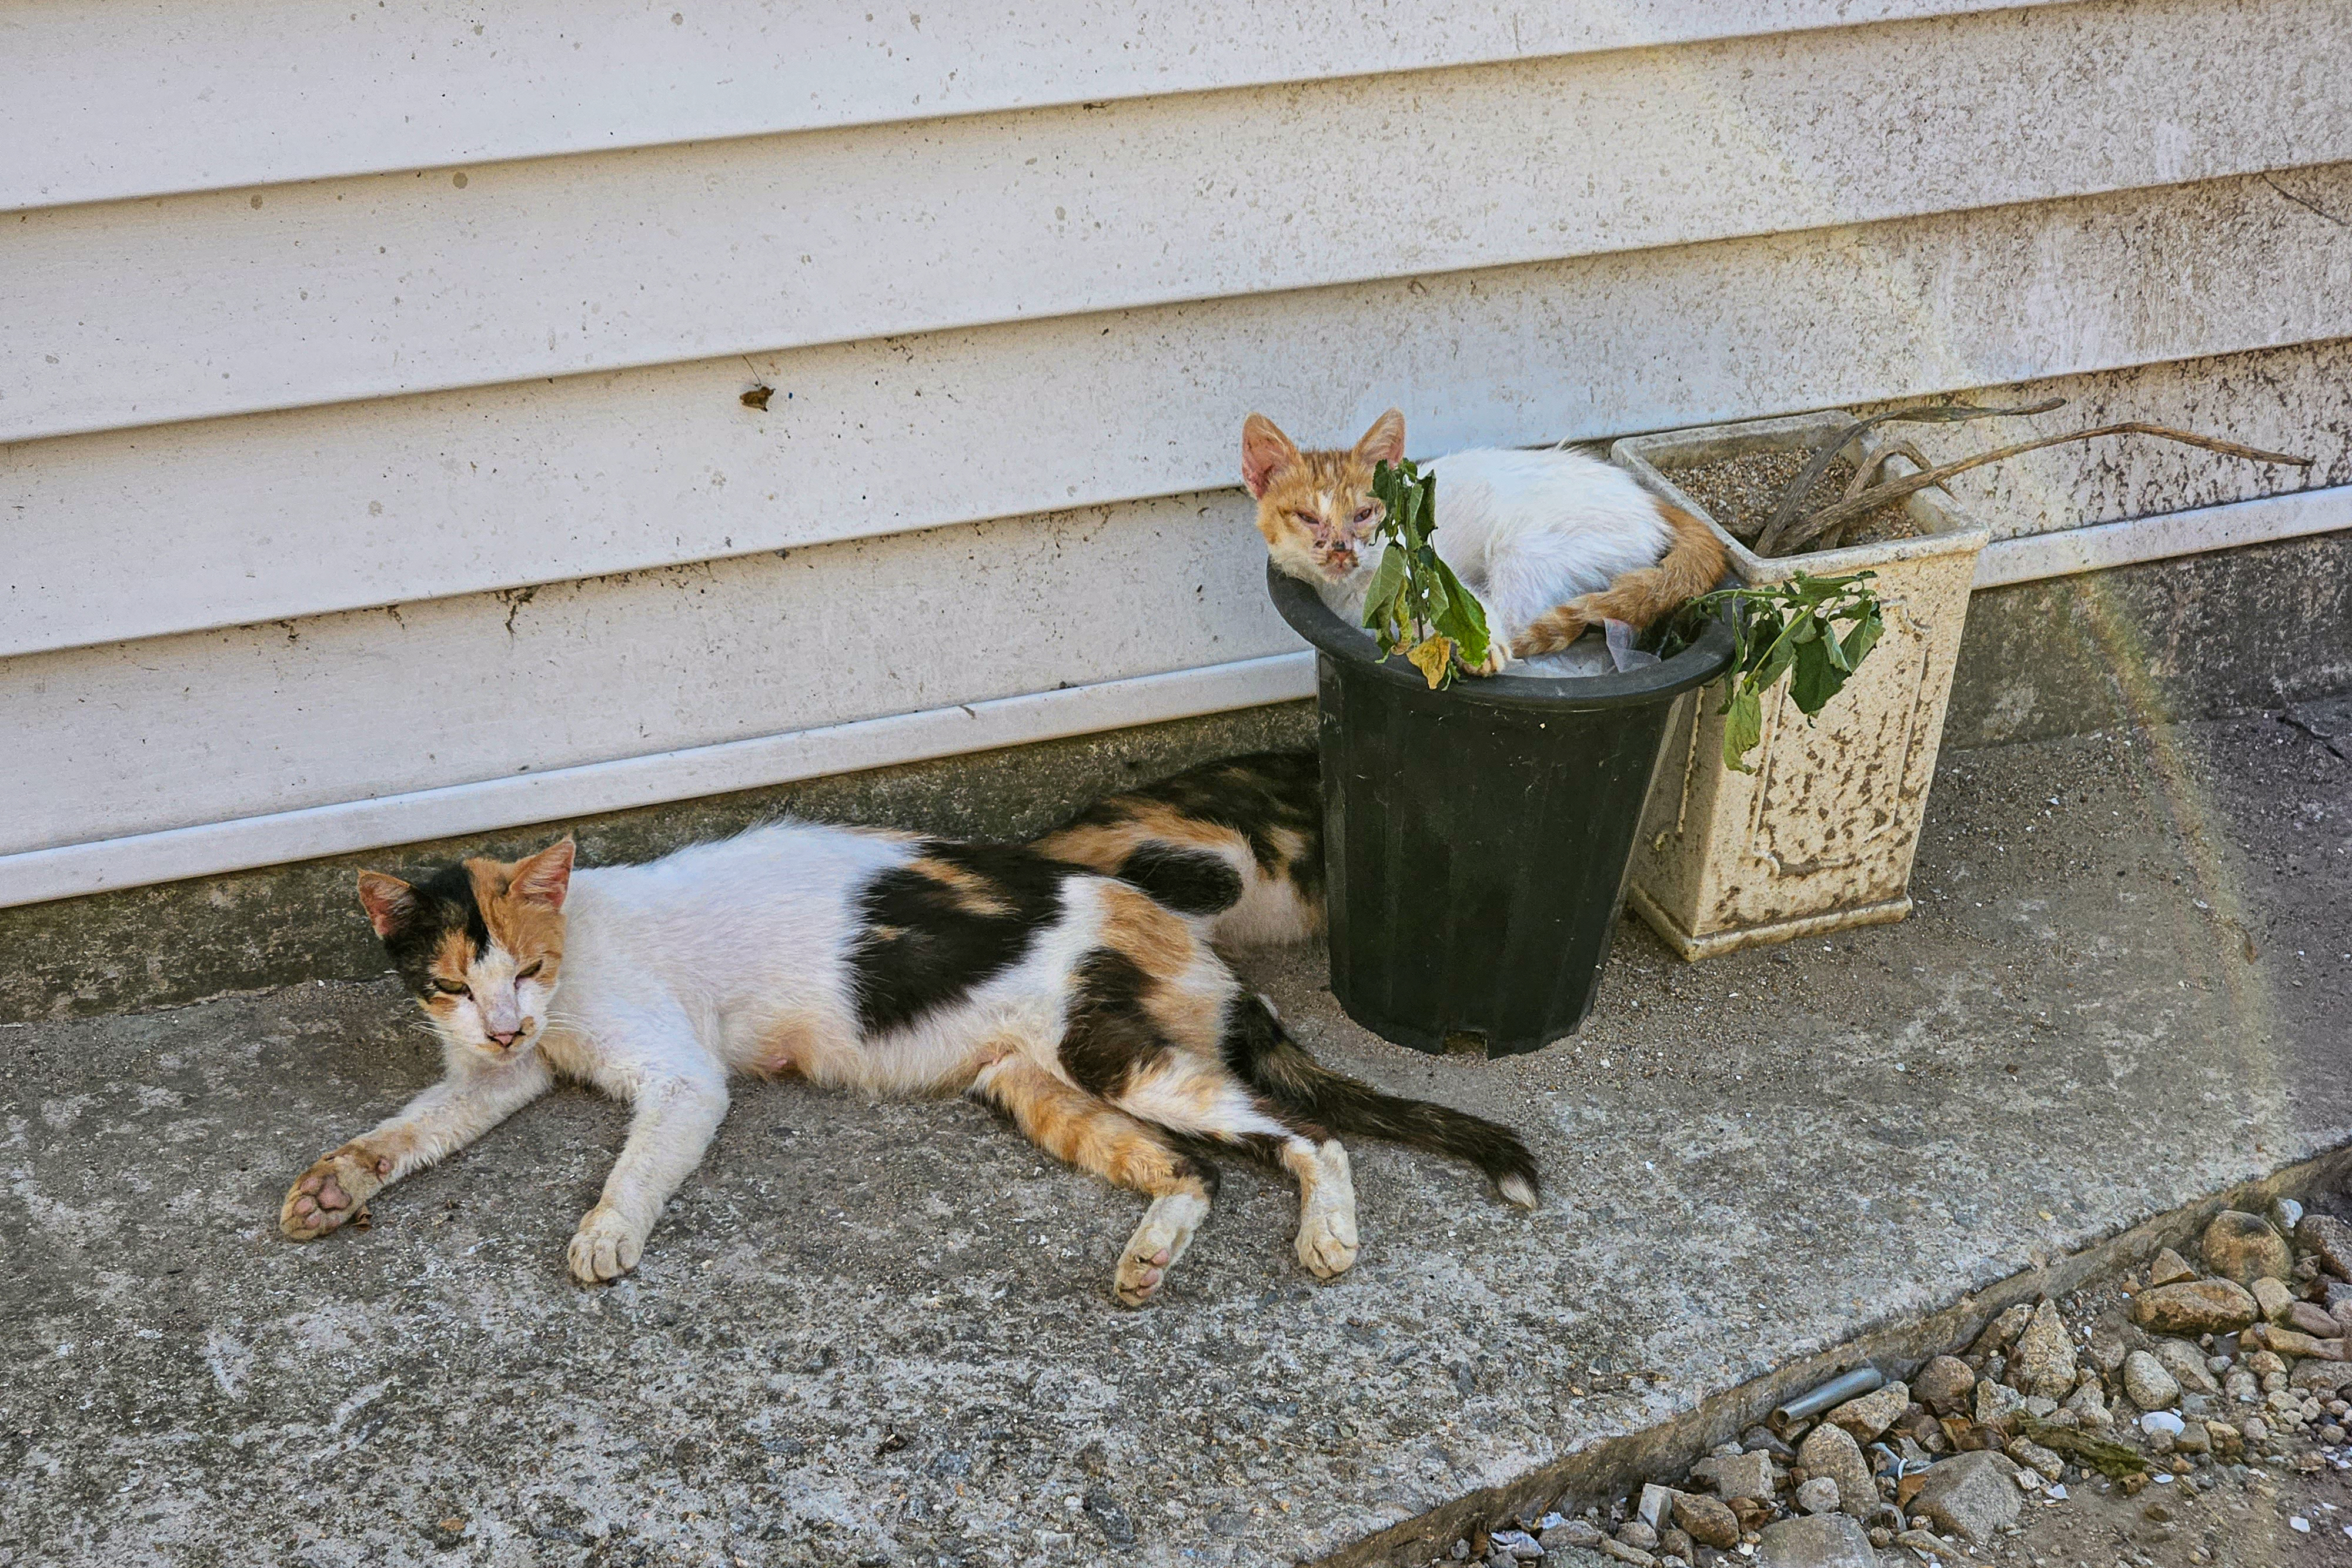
1877 496
1940 413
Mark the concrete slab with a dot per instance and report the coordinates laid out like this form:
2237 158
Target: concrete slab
873 1333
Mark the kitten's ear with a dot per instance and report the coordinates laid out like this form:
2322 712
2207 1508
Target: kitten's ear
389 902
545 877
1385 443
1266 453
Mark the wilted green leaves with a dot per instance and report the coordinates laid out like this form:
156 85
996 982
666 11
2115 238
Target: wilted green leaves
1416 605
1814 630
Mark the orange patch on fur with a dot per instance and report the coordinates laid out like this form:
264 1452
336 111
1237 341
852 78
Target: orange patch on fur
1075 1126
1134 925
787 1044
973 893
1104 846
525 926
453 956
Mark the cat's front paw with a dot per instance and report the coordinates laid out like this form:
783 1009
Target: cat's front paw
333 1191
604 1248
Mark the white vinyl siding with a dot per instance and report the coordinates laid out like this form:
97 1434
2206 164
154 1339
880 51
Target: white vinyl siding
332 479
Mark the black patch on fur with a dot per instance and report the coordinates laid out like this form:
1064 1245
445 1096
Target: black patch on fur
1252 796
442 902
1107 1035
920 948
1305 1090
1190 882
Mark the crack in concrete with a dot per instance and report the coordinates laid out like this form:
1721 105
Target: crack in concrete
2307 204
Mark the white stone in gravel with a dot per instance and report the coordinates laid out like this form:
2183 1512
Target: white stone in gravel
2156 1421
1735 1475
1970 1494
1995 1400
2186 1364
1825 1540
2044 1361
2147 1383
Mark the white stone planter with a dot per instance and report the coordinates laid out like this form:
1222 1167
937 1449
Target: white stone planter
1820 836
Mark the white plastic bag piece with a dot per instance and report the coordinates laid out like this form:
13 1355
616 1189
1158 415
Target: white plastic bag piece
1621 652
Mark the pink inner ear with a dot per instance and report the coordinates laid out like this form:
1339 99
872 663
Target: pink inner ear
1385 443
546 876
1266 453
386 900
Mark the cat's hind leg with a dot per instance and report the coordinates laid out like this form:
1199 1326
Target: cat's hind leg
1155 1025
1073 1126
1201 1099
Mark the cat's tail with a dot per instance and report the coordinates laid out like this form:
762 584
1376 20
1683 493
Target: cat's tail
1693 564
1277 1067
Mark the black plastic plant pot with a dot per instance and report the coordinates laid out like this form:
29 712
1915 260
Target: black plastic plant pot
1476 839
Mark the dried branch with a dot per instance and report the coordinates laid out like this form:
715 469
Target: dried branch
1871 466
1838 514
1766 537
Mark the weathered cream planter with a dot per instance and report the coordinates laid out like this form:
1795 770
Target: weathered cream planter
1820 836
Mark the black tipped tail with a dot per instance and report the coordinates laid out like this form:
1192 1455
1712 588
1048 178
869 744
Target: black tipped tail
1278 1068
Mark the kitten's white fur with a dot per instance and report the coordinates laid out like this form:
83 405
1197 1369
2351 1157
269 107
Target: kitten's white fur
1528 530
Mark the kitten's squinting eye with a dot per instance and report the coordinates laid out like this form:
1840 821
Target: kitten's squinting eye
1308 521
451 988
1363 515
528 970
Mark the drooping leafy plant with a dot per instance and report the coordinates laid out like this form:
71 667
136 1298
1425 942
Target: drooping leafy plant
1815 630
1416 605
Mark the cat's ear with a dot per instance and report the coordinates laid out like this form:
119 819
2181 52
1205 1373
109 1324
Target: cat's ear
389 902
545 877
1266 453
1385 443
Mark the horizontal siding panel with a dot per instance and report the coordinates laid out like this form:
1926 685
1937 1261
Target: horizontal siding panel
136 738
283 515
99 102
135 313
68 871
130 738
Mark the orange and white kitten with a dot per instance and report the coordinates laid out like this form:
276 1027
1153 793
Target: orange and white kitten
1552 542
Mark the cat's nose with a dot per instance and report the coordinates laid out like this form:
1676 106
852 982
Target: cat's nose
507 1038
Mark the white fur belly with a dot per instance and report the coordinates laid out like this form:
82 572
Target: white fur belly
1529 530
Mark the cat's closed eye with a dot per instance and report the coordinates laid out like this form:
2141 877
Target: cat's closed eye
528 970
1307 519
452 988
